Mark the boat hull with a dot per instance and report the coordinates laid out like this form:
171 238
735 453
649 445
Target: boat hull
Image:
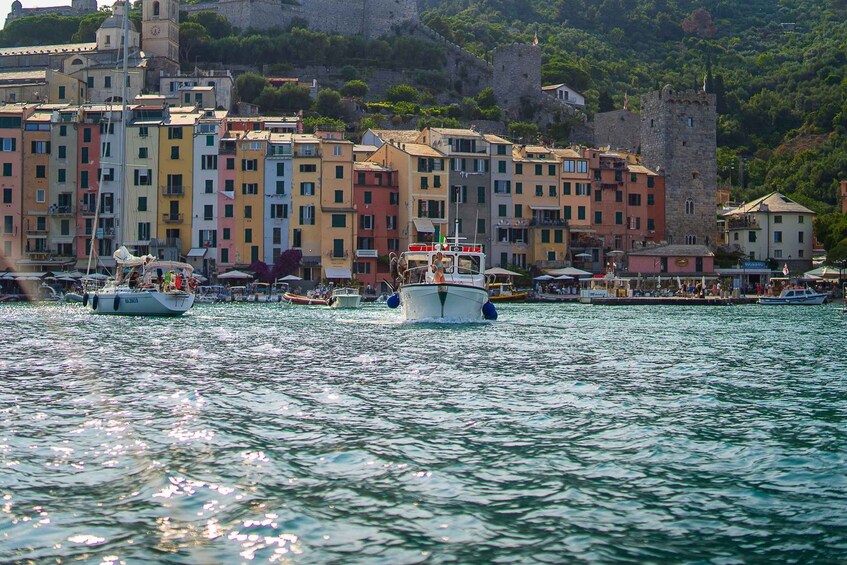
516 297
142 303
346 301
304 300
812 300
442 302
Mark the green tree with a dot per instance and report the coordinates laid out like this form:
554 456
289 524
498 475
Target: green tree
191 36
217 25
293 98
48 29
328 104
249 86
354 89
401 93
485 98
526 132
606 104
88 26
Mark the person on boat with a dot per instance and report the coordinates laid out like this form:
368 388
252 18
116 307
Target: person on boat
438 268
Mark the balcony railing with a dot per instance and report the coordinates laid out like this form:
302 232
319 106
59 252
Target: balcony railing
56 210
367 253
334 255
175 190
742 223
542 222
36 231
87 209
167 242
172 218
36 251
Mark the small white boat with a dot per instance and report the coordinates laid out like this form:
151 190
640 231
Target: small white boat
805 296
345 297
442 282
144 286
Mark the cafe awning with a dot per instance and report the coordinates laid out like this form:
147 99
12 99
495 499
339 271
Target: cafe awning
197 252
424 225
337 273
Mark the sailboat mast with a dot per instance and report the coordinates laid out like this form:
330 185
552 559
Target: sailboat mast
124 77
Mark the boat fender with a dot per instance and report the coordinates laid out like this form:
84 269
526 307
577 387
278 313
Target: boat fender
94 302
117 303
489 312
393 301
85 299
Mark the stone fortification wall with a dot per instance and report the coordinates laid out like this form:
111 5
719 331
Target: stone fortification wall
465 70
619 129
369 18
517 76
678 140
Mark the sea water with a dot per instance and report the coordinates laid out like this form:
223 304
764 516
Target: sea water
559 433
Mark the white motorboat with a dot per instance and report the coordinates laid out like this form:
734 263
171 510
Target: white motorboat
345 297
441 282
145 286
805 296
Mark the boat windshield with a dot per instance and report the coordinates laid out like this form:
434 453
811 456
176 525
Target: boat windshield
469 264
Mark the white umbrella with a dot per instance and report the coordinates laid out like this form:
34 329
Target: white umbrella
497 271
583 255
564 278
235 275
543 278
289 278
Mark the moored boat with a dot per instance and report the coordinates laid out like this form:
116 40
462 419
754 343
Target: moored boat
345 297
304 300
144 286
795 296
505 292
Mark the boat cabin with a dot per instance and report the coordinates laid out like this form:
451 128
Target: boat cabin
460 264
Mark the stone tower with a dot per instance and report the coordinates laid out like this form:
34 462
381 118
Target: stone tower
678 140
160 33
517 77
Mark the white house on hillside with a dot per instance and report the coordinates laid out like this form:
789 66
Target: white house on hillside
772 227
566 94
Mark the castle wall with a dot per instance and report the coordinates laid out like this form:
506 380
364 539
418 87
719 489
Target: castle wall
516 75
369 18
619 129
678 140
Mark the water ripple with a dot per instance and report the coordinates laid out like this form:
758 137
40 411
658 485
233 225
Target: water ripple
273 433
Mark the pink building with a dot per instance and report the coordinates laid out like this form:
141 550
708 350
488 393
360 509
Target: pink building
672 260
11 171
376 197
88 159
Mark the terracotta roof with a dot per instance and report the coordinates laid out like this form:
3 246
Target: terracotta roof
675 251
641 169
773 202
401 135
491 138
420 150
49 49
455 131
370 166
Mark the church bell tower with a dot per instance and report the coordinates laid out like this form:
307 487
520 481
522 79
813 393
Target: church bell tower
160 33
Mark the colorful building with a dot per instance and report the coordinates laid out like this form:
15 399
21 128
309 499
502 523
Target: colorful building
376 197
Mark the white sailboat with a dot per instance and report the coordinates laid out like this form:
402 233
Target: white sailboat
141 286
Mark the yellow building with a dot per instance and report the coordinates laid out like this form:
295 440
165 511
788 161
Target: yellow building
305 204
250 150
176 161
141 192
337 215
36 151
576 206
423 185
536 202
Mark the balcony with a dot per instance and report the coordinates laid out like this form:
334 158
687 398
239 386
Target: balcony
172 218
335 256
37 251
543 222
167 242
56 210
36 231
87 209
175 190
367 253
741 223
106 233
608 185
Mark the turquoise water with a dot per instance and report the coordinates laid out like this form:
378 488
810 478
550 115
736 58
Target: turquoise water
559 433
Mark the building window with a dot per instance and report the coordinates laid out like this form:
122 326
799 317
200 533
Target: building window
568 212
210 186
230 163
307 189
800 237
339 171
107 80
208 212
174 133
502 210
226 234
777 219
480 226
248 235
41 171
142 203
229 210
751 236
777 253
40 196
580 213
598 196
280 187
142 152
209 162
249 188
339 221
619 218
598 217
7 196
777 237
338 248
175 152
339 196
224 255
690 122
691 239
249 165
480 194
689 207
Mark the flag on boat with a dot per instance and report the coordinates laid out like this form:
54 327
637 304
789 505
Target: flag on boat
442 239
785 269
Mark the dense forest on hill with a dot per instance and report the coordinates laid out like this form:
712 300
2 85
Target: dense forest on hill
777 67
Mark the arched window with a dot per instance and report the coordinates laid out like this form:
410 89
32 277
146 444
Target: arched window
76 62
691 239
155 8
689 207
